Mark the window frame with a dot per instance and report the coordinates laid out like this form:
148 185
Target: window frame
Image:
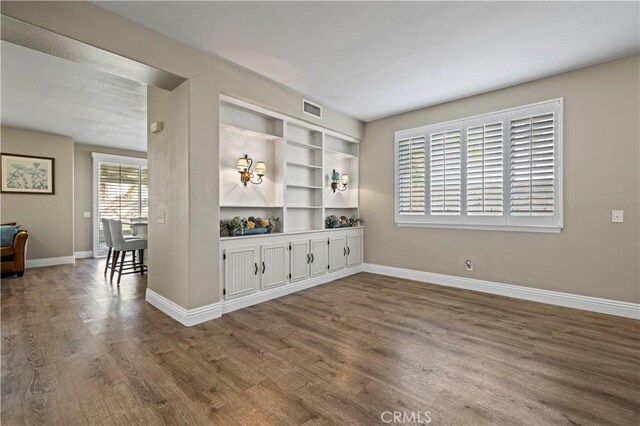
99 158
504 222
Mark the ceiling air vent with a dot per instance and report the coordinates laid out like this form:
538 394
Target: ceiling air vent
311 108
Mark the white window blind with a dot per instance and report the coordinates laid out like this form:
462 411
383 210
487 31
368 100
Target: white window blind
485 163
411 176
532 171
122 194
445 172
501 170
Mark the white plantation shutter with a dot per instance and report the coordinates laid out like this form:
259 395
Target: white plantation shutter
411 176
532 171
493 171
445 172
485 164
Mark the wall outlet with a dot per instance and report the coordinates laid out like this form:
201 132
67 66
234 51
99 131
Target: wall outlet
87 214
617 216
468 265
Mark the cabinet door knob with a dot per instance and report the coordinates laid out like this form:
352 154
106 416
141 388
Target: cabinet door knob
256 271
344 251
263 267
312 258
348 250
308 259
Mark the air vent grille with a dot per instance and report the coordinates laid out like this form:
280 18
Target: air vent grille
311 109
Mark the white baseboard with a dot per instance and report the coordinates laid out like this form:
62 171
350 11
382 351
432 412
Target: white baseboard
50 261
189 317
263 296
184 316
586 303
83 254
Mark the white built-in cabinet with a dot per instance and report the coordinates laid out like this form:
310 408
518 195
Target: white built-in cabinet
279 260
300 158
300 260
274 266
319 257
241 271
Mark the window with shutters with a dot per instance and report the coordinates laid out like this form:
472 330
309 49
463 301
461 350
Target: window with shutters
501 170
121 192
411 176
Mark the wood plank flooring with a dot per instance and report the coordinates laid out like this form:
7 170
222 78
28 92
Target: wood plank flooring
77 350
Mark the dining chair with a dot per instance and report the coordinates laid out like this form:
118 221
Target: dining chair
121 247
109 243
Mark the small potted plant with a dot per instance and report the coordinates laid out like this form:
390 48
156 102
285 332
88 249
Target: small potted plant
333 221
249 226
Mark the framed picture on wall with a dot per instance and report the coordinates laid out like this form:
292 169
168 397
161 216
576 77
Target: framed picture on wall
26 174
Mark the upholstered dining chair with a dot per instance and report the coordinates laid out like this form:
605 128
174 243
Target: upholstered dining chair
120 248
109 243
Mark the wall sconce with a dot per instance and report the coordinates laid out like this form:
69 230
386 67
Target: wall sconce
339 185
244 168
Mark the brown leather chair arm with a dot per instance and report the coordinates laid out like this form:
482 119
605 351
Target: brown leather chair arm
20 246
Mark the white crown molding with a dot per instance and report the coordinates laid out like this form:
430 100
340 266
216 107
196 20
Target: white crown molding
187 317
83 254
576 301
50 261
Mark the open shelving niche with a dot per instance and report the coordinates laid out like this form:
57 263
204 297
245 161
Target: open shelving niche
300 158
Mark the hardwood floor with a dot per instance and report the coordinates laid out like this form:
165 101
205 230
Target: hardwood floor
77 350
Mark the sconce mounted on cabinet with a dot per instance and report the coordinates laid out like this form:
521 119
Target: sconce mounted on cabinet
339 185
246 174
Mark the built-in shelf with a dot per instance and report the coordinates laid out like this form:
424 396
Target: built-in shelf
250 133
307 166
304 186
299 157
303 145
340 153
246 206
291 232
340 207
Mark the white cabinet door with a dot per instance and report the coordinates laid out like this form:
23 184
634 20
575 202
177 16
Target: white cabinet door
240 271
337 253
354 250
275 265
300 260
319 259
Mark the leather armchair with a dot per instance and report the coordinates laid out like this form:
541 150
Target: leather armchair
14 257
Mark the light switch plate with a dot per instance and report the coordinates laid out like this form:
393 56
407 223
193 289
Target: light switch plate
87 214
617 216
160 218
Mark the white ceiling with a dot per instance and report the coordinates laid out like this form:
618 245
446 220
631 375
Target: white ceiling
374 59
46 93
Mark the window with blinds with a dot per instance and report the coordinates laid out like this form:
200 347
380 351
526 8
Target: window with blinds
411 176
445 172
122 194
532 144
501 170
485 155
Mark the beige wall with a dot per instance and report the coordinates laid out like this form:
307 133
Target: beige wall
168 151
83 190
208 77
48 218
591 256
